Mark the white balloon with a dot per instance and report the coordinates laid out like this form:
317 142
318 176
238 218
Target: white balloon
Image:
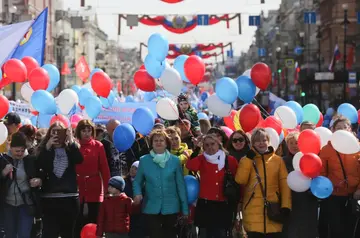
66 100
3 133
274 137
171 81
325 135
217 106
248 74
26 92
296 161
167 109
345 142
287 116
298 182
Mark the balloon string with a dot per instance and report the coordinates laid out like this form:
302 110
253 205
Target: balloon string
267 114
189 130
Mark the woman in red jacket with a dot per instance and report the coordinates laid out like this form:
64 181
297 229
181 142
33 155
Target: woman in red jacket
214 213
92 175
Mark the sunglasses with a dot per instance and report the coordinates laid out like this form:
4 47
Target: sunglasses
238 140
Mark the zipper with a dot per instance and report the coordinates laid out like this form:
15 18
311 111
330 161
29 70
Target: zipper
265 191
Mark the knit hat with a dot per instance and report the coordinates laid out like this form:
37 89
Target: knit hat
136 164
18 139
182 98
117 182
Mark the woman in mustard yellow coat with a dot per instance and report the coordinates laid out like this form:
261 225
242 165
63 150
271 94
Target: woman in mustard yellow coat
272 173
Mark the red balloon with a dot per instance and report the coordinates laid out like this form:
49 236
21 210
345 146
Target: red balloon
30 64
321 120
310 165
15 70
88 231
39 79
142 67
35 113
229 120
4 81
309 142
274 123
60 118
261 75
249 117
144 81
101 84
4 106
194 69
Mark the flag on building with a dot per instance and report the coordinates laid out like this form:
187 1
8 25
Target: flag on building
34 41
336 57
65 70
82 69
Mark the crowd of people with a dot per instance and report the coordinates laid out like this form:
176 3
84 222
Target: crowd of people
55 181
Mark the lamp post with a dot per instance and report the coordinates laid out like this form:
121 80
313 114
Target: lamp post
286 45
278 52
13 11
318 36
302 60
346 22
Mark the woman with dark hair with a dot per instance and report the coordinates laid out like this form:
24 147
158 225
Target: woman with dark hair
165 192
92 175
238 144
29 131
20 179
220 134
57 157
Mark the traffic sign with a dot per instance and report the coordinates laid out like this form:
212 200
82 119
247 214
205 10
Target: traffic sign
298 50
254 20
289 63
203 20
262 52
310 17
230 53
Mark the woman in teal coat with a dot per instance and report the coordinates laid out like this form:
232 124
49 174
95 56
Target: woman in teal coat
165 193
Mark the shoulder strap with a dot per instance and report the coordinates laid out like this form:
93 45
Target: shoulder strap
226 164
259 181
342 168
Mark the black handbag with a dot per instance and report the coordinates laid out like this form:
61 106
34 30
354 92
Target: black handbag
354 203
231 188
273 209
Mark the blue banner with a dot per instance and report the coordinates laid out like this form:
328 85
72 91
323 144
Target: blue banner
123 111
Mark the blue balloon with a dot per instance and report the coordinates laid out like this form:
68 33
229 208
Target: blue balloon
348 111
43 121
54 76
227 90
202 115
321 187
94 71
296 107
204 96
143 120
330 111
153 66
246 88
149 96
129 98
93 107
158 46
281 137
179 66
76 88
84 94
124 137
108 102
192 188
43 102
33 120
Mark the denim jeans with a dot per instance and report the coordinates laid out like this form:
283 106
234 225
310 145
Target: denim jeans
17 221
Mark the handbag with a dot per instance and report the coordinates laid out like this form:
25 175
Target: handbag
231 188
273 209
354 203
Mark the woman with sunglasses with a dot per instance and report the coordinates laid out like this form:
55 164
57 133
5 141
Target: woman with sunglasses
238 145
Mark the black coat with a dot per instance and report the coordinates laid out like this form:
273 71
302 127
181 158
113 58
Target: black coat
67 183
302 222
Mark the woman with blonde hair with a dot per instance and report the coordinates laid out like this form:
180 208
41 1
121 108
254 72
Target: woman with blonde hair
165 192
267 197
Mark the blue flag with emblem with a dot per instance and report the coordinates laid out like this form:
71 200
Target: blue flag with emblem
34 41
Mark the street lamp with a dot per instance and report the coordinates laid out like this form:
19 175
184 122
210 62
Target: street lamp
278 51
346 22
318 36
13 10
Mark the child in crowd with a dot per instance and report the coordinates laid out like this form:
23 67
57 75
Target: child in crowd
114 214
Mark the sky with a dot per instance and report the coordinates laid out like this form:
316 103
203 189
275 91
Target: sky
107 11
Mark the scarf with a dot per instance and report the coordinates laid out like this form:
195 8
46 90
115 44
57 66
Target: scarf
217 158
238 154
160 159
